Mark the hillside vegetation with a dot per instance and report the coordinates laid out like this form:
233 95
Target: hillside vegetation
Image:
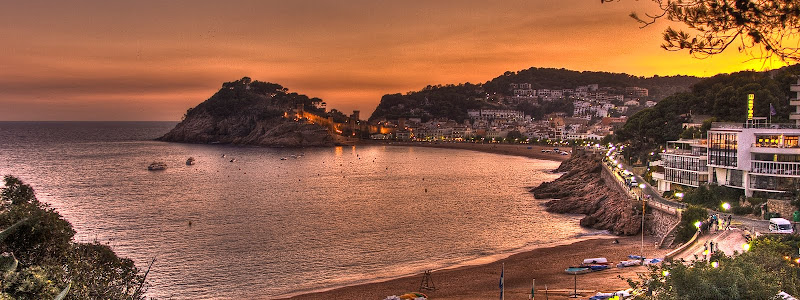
452 101
41 260
724 97
252 112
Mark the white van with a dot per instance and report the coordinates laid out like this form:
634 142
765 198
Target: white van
780 225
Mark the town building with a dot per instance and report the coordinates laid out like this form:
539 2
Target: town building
684 162
636 92
755 156
795 101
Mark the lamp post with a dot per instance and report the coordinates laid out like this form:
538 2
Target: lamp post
641 195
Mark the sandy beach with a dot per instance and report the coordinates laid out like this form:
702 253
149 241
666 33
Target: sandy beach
535 151
545 264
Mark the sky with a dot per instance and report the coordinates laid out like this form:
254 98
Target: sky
144 60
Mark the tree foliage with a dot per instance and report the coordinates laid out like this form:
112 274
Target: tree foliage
723 97
757 274
452 101
49 260
686 227
761 28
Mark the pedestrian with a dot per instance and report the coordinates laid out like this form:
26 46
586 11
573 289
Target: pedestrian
711 246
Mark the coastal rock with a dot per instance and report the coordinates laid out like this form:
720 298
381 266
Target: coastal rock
249 113
582 190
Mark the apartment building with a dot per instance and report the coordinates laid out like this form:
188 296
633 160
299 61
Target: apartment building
684 162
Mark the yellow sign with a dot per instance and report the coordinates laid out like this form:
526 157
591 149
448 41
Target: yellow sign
750 98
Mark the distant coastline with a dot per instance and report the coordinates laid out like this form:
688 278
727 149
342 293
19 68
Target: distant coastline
523 150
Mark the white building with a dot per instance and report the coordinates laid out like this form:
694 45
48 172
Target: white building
755 156
488 114
795 115
685 163
632 103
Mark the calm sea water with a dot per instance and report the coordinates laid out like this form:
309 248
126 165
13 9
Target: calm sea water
263 227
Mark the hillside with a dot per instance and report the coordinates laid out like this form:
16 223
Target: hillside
251 113
453 101
723 97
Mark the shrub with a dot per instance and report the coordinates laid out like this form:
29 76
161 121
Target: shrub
686 227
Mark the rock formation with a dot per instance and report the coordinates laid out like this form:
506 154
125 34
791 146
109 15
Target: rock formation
249 113
582 190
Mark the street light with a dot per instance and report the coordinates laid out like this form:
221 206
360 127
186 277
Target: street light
698 224
746 247
679 195
726 206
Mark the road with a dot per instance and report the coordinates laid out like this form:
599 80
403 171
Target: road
754 225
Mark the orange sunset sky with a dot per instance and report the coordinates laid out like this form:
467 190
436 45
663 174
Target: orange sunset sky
152 60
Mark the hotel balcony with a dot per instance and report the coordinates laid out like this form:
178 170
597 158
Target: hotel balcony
775 149
783 169
794 88
794 102
658 176
794 116
656 163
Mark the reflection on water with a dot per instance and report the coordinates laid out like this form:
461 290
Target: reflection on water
279 221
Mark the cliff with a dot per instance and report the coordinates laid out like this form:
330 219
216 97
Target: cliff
582 190
250 113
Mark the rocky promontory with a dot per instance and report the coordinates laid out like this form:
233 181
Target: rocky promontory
249 112
582 190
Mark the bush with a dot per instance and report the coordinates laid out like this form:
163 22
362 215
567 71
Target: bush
50 260
742 210
689 217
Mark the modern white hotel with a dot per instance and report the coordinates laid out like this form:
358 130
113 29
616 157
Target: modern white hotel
754 156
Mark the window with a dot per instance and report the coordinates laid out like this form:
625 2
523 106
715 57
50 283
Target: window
722 150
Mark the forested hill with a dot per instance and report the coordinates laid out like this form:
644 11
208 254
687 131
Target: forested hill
453 101
550 78
723 97
251 112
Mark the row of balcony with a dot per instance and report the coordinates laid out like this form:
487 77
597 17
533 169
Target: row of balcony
775 168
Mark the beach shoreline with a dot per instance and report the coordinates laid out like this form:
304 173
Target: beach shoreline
523 150
545 263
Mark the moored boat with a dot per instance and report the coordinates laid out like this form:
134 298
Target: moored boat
157 166
190 161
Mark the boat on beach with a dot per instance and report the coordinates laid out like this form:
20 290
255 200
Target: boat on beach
190 161
157 166
577 270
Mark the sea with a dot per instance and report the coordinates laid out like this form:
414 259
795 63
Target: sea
263 223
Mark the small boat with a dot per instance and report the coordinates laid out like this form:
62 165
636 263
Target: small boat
629 263
190 161
596 260
597 267
413 295
283 158
577 270
157 166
